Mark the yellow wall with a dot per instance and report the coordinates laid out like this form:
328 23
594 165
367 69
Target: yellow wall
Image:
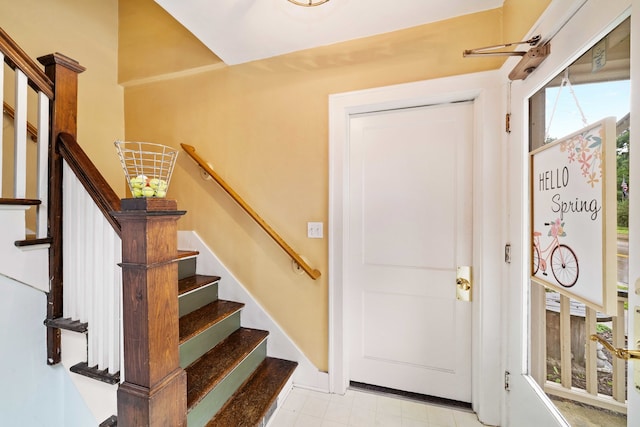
519 16
153 43
263 126
87 31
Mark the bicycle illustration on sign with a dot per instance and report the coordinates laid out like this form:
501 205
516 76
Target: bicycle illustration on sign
560 257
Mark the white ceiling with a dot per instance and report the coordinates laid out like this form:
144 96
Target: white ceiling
240 31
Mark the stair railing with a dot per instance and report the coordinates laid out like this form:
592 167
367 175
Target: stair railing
27 73
191 151
92 251
87 260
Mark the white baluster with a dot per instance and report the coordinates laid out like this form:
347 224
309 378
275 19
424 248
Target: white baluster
68 235
112 297
98 284
20 128
71 246
109 285
43 165
87 286
93 279
116 324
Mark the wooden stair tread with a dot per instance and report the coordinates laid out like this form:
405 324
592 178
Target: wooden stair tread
207 372
84 369
68 324
199 320
249 405
194 282
21 202
33 242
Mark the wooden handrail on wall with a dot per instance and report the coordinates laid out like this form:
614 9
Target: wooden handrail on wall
32 131
191 151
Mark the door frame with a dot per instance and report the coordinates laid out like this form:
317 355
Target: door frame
489 216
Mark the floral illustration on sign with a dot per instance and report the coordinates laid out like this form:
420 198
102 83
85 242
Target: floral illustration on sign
585 150
557 229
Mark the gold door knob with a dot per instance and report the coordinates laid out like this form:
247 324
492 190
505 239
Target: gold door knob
463 283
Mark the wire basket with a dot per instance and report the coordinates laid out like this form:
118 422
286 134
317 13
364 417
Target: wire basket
147 167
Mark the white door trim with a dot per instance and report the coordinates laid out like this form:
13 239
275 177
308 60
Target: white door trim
489 215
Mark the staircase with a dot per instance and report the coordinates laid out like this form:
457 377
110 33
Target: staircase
230 380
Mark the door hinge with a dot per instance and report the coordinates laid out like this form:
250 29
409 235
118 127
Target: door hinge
507 253
506 380
507 123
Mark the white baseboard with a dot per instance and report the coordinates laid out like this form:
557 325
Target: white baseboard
279 344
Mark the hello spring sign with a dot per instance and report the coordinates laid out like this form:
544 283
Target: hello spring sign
573 216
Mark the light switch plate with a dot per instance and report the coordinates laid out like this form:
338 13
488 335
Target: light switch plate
314 230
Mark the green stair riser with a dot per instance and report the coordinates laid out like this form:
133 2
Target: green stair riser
198 298
191 350
201 413
186 267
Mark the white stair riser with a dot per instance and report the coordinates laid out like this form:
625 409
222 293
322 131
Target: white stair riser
29 265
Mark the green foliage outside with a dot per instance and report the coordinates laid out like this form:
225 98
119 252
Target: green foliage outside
622 165
623 213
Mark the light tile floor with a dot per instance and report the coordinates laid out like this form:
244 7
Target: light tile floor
305 408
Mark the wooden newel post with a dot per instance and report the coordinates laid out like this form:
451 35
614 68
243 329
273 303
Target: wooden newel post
154 392
63 72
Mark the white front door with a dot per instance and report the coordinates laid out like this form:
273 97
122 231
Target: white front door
410 227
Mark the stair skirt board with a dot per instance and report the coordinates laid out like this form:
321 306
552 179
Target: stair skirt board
201 413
